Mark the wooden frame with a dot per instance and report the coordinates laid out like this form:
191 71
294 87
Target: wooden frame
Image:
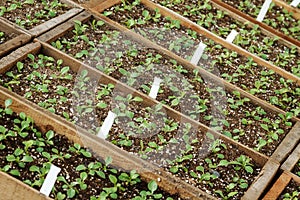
283 149
147 170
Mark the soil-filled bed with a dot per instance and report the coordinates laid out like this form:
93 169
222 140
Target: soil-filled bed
145 131
292 191
138 66
27 154
207 15
239 70
28 14
276 17
290 1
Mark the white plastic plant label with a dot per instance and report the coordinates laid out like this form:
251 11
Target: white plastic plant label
107 124
50 180
198 53
295 3
264 10
155 87
231 36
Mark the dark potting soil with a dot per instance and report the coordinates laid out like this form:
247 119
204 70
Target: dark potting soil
296 169
29 14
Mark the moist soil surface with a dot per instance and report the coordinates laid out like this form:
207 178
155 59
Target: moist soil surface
30 15
252 39
70 161
242 71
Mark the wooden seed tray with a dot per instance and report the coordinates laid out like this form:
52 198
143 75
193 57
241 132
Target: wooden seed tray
256 189
283 149
20 38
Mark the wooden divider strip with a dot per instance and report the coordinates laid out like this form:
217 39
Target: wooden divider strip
263 25
7 62
278 187
12 188
288 144
293 159
21 37
60 30
189 24
42 28
255 191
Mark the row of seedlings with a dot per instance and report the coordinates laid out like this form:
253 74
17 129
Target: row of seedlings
211 102
277 19
204 159
32 143
11 37
250 37
38 16
240 70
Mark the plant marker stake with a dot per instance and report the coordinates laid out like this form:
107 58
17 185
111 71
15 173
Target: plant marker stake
155 87
263 10
198 53
107 124
295 3
231 36
50 180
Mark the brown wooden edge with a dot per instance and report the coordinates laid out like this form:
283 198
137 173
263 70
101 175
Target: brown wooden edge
11 188
280 185
291 9
288 144
20 38
42 28
261 24
293 159
77 66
